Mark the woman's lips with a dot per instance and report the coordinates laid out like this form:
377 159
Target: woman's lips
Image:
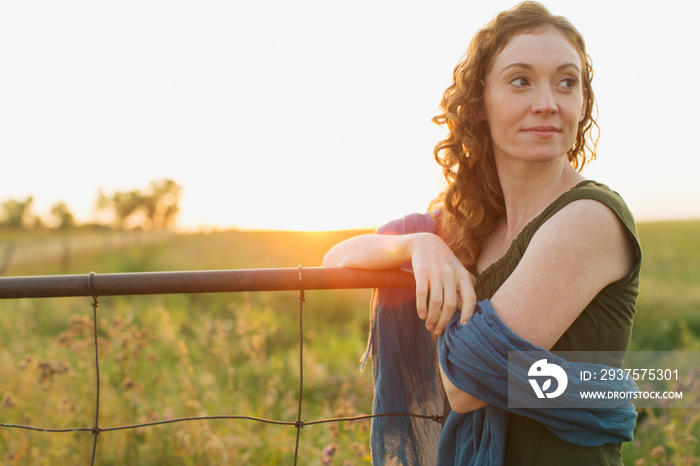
541 131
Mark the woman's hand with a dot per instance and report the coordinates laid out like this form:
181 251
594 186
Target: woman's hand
442 282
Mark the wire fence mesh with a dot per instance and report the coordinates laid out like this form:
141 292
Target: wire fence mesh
94 285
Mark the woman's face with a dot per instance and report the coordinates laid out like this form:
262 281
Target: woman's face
533 100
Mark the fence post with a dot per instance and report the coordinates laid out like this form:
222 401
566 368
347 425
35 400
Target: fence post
7 257
65 255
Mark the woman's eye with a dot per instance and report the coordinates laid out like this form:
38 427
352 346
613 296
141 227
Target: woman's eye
569 83
519 82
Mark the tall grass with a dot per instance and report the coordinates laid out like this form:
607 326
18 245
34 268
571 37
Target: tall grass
165 357
668 319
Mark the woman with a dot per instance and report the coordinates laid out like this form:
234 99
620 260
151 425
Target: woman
552 258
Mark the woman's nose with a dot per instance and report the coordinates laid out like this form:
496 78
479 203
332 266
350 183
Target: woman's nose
544 101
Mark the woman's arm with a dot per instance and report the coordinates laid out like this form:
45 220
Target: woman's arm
575 254
442 282
370 252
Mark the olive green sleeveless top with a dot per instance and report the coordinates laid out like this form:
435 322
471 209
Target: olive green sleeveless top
604 325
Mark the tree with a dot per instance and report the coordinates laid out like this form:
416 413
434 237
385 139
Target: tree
155 208
125 205
17 213
162 204
63 216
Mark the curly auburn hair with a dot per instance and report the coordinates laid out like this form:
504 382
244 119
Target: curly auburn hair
473 201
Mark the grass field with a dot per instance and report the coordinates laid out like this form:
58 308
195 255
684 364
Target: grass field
165 357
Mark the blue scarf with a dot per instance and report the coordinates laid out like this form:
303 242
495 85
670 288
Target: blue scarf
474 357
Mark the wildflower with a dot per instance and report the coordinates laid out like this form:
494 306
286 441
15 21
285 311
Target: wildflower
657 452
328 453
48 369
8 401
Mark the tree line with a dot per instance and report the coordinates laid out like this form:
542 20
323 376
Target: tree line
153 208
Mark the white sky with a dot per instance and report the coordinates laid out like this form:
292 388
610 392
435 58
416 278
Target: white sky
310 114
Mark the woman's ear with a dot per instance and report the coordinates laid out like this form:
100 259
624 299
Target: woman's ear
584 107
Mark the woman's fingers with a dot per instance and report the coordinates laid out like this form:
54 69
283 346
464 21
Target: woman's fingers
449 305
442 301
443 285
467 298
441 296
435 302
421 295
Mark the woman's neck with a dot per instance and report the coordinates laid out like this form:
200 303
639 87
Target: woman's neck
528 189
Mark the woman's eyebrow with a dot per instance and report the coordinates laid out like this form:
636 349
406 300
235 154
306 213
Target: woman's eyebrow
567 65
517 65
527 66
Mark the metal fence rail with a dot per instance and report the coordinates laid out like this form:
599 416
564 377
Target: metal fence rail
211 281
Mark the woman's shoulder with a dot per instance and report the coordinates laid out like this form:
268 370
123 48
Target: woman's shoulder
589 218
603 194
587 214
597 215
588 201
